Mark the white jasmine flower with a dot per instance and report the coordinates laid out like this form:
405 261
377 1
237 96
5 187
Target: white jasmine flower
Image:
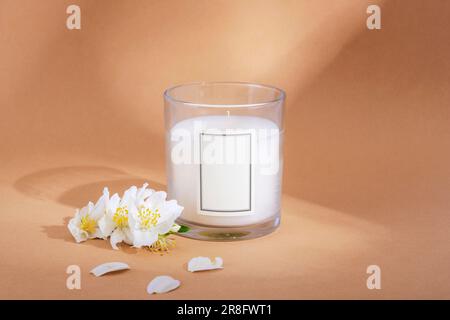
153 219
115 221
85 224
142 217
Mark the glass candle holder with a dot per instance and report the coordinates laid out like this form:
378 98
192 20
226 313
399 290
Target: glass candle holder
224 158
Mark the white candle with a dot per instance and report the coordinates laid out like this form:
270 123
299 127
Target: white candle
225 170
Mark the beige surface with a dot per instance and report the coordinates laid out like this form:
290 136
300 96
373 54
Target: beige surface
367 170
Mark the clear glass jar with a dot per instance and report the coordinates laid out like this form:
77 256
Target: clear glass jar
224 158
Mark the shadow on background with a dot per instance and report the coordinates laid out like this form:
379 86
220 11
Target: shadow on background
82 193
60 232
75 186
370 136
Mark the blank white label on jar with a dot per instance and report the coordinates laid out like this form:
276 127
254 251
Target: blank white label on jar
226 174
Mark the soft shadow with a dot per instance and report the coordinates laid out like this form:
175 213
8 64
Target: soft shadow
76 185
88 192
60 232
375 145
50 183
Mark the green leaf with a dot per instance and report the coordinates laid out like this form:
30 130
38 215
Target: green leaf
183 229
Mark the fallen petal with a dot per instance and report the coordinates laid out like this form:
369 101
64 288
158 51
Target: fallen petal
162 284
204 263
109 267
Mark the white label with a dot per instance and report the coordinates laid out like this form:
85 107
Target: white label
226 174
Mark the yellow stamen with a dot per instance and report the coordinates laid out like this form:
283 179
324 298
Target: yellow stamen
120 217
162 245
148 217
88 224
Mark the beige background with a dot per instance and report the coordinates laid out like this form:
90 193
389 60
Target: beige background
367 169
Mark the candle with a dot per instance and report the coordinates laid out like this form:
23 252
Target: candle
224 159
225 170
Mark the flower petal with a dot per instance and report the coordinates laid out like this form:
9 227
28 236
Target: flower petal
109 267
85 210
142 194
100 206
117 236
128 236
132 215
204 263
169 211
113 203
156 200
128 196
165 226
98 234
106 225
162 284
78 234
90 207
143 238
